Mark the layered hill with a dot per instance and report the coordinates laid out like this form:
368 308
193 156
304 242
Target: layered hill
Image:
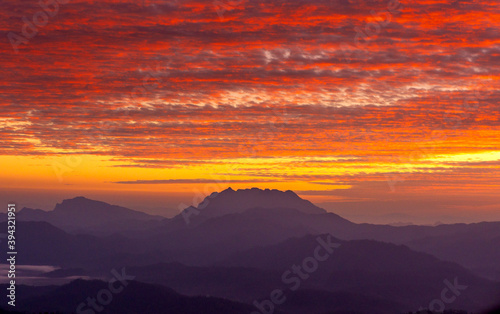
83 215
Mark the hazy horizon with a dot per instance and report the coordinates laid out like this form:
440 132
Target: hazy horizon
382 212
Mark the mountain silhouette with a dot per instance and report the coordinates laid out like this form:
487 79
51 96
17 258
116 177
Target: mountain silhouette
135 297
230 201
237 246
81 214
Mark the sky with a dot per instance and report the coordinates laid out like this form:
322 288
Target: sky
366 108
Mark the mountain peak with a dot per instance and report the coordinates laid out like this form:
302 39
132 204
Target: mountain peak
79 203
81 213
81 209
79 198
230 201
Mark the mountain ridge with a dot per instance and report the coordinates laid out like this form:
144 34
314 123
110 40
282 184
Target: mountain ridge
81 214
231 201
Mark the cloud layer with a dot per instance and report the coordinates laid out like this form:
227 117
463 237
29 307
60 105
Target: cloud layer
314 91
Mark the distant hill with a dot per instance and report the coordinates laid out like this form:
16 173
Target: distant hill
40 243
475 246
395 272
238 250
84 215
216 238
135 298
359 275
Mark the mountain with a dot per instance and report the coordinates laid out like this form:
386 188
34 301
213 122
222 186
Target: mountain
230 201
240 255
248 284
372 268
211 239
134 297
214 239
358 275
40 243
475 246
82 215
